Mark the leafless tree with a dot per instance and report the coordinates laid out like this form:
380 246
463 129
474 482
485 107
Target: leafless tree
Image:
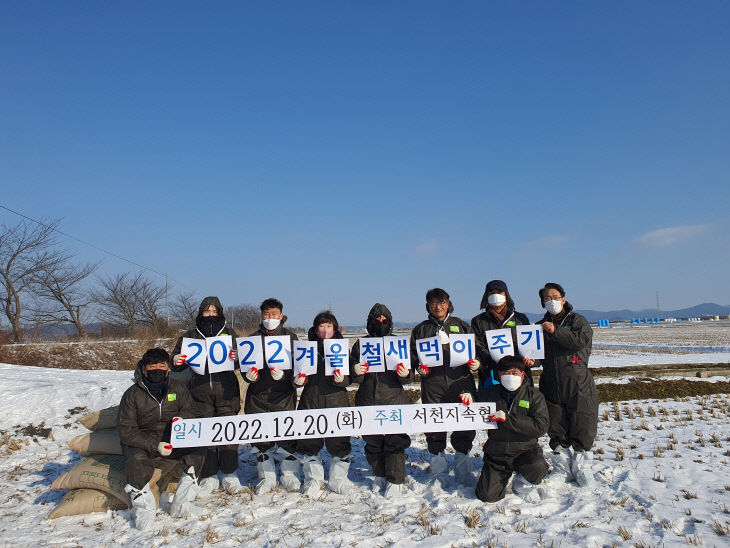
63 298
126 300
244 318
25 250
184 309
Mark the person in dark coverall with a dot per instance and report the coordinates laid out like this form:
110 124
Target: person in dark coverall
323 392
568 386
522 417
499 313
215 395
445 385
273 390
385 454
146 413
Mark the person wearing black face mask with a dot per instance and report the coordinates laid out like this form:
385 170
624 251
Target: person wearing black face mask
386 454
146 413
215 394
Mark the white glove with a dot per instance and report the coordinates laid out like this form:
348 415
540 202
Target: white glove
276 374
474 364
178 359
499 416
164 448
361 368
339 377
422 369
253 374
300 379
466 398
402 370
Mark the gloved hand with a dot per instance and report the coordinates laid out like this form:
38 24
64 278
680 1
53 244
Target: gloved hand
422 369
402 370
361 368
300 379
232 354
528 362
276 374
164 448
339 377
176 419
474 364
466 398
179 359
253 374
499 417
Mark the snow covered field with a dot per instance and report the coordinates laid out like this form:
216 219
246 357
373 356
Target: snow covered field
662 479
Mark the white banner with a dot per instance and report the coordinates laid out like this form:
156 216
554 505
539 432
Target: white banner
461 348
336 356
530 342
326 423
250 353
430 352
196 351
499 342
397 350
305 357
219 349
371 351
277 349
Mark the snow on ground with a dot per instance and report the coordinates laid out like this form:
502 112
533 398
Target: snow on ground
662 479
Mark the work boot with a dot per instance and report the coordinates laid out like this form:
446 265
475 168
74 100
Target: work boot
463 468
377 463
182 505
525 490
313 476
144 506
231 484
439 466
395 467
338 481
580 467
266 468
290 472
561 457
207 486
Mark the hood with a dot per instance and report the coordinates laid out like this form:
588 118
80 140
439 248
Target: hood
208 301
500 286
379 310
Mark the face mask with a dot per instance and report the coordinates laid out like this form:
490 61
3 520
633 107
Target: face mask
496 299
511 382
156 375
271 323
554 307
380 329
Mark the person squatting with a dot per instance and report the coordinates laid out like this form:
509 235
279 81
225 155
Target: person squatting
565 407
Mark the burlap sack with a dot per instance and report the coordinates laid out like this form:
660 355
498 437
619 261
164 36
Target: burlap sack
99 420
99 442
86 501
104 473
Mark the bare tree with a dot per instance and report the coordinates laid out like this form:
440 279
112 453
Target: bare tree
184 309
126 300
244 318
63 297
25 250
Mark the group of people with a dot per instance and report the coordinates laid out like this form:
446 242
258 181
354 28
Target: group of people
565 406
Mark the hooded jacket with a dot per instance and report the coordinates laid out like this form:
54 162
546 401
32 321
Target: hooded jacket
197 333
266 394
145 421
385 388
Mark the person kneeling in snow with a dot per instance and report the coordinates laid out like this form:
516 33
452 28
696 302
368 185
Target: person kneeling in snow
146 413
522 417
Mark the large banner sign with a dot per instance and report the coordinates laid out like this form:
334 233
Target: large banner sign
530 342
326 423
215 350
499 342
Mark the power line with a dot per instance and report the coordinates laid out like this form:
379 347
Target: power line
111 253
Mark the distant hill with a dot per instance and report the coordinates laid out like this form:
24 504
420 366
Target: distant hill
704 309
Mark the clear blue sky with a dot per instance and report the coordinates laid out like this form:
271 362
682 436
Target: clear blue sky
354 152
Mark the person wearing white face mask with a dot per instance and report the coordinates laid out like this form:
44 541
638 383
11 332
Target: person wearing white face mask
270 390
522 417
499 313
568 386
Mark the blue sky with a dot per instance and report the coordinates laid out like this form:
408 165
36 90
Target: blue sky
345 153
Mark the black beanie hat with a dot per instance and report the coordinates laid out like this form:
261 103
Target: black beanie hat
499 285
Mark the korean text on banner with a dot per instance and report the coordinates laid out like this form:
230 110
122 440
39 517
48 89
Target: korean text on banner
461 347
397 350
530 342
305 357
430 352
336 356
371 351
499 342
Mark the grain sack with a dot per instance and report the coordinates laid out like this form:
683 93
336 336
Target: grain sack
103 472
86 501
99 442
99 420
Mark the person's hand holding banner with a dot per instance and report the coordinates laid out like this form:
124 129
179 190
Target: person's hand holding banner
474 364
422 369
361 368
402 370
164 448
253 374
466 398
276 374
178 360
338 376
499 416
300 379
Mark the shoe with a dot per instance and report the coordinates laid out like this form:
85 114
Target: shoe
338 481
462 469
393 491
231 484
525 490
395 467
266 468
207 486
182 505
580 467
561 458
144 506
439 466
313 476
290 473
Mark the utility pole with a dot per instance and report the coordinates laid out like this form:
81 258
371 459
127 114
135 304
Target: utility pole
167 307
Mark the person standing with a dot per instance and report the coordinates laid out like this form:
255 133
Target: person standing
385 454
445 384
272 389
567 385
215 395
